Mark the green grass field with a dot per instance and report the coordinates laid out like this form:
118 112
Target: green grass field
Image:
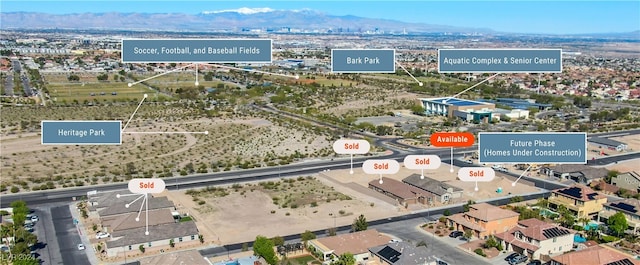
93 91
303 260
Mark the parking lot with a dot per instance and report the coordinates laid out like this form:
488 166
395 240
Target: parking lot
56 228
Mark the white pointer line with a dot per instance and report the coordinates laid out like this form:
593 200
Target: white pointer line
251 70
205 132
463 91
405 69
167 72
134 113
524 172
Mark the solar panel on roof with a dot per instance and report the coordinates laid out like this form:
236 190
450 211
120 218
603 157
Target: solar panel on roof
624 206
621 262
390 254
573 192
554 232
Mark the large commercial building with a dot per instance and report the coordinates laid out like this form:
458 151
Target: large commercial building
455 107
517 103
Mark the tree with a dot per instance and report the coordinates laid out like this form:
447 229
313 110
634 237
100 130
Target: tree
141 247
278 241
201 238
172 243
73 78
307 235
345 259
617 223
26 261
263 247
465 207
446 212
359 224
491 242
331 231
417 109
468 234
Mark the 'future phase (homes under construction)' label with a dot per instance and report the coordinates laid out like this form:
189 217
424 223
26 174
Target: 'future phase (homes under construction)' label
363 61
81 132
500 60
196 50
562 148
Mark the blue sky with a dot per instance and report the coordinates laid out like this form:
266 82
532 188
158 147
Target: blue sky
554 17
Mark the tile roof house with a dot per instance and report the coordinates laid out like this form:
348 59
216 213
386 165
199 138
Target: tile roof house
434 189
403 193
402 253
533 237
629 207
581 200
582 174
357 243
628 180
596 255
484 219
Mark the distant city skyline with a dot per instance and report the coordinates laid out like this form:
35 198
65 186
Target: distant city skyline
539 17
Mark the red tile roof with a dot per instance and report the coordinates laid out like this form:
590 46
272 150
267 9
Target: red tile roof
596 255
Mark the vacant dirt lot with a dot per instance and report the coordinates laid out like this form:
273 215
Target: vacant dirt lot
251 210
148 147
626 166
240 212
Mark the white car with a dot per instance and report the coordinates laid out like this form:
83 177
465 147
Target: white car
102 235
80 247
34 218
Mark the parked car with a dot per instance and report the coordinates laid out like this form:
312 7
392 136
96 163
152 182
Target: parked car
80 246
511 256
535 262
469 161
456 234
101 235
34 218
518 259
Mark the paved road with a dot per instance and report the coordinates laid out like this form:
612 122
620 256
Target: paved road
8 88
28 91
409 231
67 236
49 250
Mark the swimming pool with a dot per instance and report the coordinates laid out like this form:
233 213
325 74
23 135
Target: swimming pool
579 239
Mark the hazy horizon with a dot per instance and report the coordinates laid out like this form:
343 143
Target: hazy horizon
541 17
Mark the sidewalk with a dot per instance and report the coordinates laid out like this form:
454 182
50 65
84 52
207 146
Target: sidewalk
89 250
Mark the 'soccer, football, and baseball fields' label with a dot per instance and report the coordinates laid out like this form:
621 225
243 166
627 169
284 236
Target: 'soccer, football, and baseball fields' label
500 60
363 61
81 132
508 147
196 50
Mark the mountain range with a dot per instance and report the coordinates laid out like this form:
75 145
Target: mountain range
238 19
235 20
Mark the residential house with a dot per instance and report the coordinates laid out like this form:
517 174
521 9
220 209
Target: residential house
631 210
404 193
402 253
116 223
581 200
581 174
629 181
607 143
358 244
118 203
434 190
158 236
596 255
534 238
484 219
